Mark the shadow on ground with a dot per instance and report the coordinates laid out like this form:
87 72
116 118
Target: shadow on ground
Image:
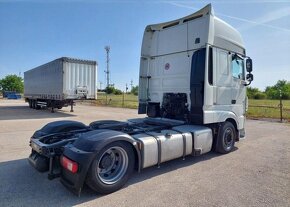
21 184
24 112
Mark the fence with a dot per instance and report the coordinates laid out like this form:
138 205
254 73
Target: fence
273 109
124 100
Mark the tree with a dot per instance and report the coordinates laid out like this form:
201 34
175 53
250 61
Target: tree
110 89
251 92
255 93
273 92
117 92
113 90
12 83
135 90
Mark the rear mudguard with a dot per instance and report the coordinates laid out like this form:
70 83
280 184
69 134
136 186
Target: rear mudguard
59 126
85 149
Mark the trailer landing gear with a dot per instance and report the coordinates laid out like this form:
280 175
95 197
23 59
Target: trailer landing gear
71 106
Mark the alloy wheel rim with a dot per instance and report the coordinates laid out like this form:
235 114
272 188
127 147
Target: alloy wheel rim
112 165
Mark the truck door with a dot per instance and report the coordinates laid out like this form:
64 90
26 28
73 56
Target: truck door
223 78
238 80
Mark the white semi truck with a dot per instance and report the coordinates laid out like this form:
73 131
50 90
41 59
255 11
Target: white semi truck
193 89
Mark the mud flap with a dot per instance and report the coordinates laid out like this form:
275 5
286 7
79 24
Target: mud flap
39 162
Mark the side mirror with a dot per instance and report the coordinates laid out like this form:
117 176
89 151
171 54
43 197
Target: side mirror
250 77
249 65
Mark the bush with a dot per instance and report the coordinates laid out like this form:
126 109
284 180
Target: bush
113 90
255 93
110 90
135 90
260 95
118 92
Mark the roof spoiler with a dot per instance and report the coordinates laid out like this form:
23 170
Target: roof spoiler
207 10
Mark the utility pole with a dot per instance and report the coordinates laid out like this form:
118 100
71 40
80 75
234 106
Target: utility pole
126 87
131 84
107 48
101 85
281 106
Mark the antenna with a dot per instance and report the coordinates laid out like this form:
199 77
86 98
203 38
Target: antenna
107 48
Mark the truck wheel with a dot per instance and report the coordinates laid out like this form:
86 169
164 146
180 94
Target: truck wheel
226 138
111 168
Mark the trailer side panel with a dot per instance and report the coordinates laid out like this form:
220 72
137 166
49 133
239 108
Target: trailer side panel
61 79
44 82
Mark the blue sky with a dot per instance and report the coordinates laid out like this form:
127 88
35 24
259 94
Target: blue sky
35 32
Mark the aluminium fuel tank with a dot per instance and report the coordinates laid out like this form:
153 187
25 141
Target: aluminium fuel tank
165 145
158 147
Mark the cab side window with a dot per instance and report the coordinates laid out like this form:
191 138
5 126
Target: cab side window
238 67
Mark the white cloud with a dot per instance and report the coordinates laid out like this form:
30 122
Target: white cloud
269 17
232 2
261 21
180 4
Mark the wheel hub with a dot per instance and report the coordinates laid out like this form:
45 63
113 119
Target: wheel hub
106 161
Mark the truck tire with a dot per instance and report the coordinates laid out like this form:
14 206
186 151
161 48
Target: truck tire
226 138
111 168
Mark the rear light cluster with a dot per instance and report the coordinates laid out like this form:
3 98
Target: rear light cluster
69 164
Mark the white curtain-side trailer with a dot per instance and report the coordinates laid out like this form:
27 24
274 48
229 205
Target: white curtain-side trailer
58 83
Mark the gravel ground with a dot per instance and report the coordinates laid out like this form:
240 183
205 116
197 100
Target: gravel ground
256 173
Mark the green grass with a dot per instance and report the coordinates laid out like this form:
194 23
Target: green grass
125 101
268 109
266 102
257 108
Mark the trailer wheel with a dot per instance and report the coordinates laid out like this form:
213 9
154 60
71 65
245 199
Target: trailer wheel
111 168
30 103
33 103
226 138
37 107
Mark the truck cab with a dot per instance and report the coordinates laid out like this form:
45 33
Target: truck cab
193 69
